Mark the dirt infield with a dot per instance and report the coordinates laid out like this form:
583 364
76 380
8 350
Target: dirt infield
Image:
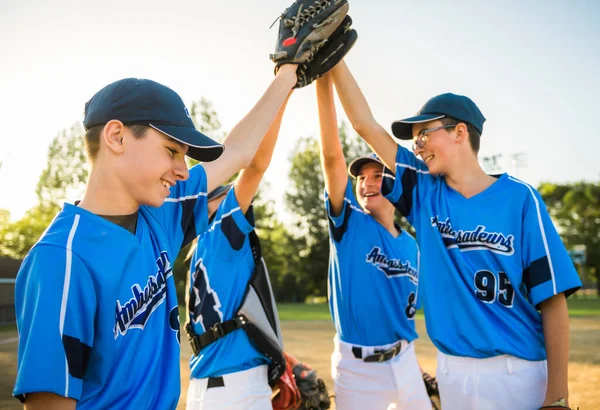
311 341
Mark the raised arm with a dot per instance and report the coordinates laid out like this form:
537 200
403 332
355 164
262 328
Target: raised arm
247 182
332 156
243 140
360 116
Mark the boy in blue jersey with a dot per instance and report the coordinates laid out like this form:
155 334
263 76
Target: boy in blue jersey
97 312
229 372
373 278
494 272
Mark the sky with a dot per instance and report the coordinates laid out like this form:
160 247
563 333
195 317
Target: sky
531 67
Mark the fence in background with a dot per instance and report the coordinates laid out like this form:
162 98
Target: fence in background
7 305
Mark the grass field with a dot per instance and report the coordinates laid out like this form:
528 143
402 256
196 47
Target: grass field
308 333
589 307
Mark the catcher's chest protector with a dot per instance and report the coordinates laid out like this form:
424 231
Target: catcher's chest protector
257 315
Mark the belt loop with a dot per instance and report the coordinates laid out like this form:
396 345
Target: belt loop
509 366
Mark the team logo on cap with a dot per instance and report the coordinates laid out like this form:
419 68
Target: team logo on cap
187 113
477 239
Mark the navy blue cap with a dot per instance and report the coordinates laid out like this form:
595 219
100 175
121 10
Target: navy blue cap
145 102
219 191
357 163
445 105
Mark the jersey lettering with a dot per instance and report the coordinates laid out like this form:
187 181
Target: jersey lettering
204 301
478 239
136 311
392 267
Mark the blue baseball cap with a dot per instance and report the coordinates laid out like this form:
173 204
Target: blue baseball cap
145 102
445 105
219 191
357 163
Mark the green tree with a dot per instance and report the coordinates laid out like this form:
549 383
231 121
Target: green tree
279 249
206 119
67 169
575 208
64 176
17 238
4 217
305 200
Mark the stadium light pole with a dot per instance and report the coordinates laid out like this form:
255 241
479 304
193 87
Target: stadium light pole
499 163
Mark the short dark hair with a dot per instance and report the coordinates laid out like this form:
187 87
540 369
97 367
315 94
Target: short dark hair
474 135
92 138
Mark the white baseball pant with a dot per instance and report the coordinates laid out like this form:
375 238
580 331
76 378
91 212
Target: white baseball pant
393 384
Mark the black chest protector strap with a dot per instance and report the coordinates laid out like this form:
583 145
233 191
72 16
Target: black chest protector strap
257 315
213 334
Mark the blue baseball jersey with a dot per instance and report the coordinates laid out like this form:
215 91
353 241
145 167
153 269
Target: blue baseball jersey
96 306
373 277
220 270
486 261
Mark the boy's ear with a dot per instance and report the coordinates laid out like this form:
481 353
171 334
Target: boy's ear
112 136
462 133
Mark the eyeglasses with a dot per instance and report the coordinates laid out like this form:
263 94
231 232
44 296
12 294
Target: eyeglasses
421 139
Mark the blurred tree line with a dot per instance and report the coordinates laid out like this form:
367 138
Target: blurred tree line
296 253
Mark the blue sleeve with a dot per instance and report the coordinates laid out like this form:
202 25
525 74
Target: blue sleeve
184 214
55 305
547 267
339 224
410 181
231 227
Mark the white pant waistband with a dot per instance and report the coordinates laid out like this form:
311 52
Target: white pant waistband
504 362
346 349
255 376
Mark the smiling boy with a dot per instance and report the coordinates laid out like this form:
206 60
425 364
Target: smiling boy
95 298
372 282
494 272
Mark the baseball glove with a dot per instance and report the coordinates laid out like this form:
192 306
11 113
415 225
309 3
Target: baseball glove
312 389
332 52
286 395
304 28
432 391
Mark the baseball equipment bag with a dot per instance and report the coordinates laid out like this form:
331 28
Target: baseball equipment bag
304 27
332 52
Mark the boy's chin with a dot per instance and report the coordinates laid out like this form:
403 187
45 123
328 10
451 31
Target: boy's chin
371 208
153 202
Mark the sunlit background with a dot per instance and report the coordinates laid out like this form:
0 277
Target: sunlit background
531 66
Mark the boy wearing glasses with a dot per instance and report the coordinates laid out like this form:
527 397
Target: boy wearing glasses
494 273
